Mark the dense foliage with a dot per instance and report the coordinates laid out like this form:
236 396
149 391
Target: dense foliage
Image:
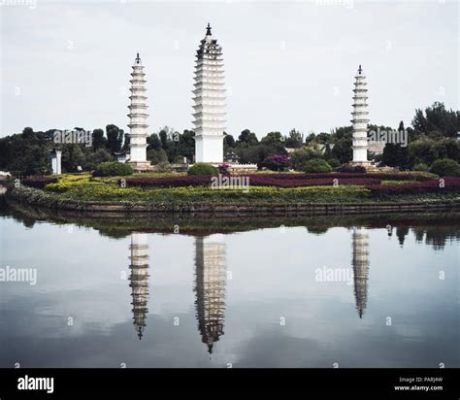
317 165
112 168
203 169
431 136
445 167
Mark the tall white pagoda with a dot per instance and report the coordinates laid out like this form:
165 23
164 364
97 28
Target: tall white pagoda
211 276
209 109
139 280
360 262
138 119
360 120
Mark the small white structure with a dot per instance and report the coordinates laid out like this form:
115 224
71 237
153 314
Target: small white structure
56 162
360 120
138 119
209 109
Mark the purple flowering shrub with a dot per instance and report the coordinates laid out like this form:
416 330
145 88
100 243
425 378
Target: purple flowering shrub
276 162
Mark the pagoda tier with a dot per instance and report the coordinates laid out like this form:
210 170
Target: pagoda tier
210 287
360 262
209 101
138 119
360 119
139 280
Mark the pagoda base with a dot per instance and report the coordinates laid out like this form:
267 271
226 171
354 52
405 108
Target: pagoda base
360 163
240 169
368 165
141 166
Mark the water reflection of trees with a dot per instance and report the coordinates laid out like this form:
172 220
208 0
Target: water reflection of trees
120 225
436 236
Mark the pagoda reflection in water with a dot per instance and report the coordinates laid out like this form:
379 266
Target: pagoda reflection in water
360 263
138 278
210 287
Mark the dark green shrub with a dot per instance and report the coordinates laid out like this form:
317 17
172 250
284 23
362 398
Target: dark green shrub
112 168
333 162
300 156
203 169
348 168
445 167
317 165
421 167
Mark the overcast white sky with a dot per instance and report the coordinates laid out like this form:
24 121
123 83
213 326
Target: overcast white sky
288 65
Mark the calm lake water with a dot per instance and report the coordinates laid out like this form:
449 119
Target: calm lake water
323 295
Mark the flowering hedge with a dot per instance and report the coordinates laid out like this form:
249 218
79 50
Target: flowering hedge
277 180
256 180
38 182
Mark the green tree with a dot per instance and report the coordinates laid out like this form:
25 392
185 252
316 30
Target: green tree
437 121
229 141
99 141
273 138
247 138
186 145
295 139
153 142
114 138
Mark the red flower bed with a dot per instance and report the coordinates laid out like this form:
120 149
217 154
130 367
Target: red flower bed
371 181
346 175
169 181
285 180
38 182
257 180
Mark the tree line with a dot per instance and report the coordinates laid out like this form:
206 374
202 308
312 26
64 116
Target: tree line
433 134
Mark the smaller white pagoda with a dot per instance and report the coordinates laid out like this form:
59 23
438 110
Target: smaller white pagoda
138 119
360 120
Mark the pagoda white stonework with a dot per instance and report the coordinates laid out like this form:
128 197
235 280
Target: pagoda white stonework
360 120
211 276
209 108
138 119
139 280
360 263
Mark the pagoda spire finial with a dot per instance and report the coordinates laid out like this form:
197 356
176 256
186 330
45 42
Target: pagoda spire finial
208 30
360 69
138 59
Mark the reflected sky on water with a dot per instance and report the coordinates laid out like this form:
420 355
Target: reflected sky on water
272 297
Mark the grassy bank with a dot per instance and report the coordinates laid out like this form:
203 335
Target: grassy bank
83 192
